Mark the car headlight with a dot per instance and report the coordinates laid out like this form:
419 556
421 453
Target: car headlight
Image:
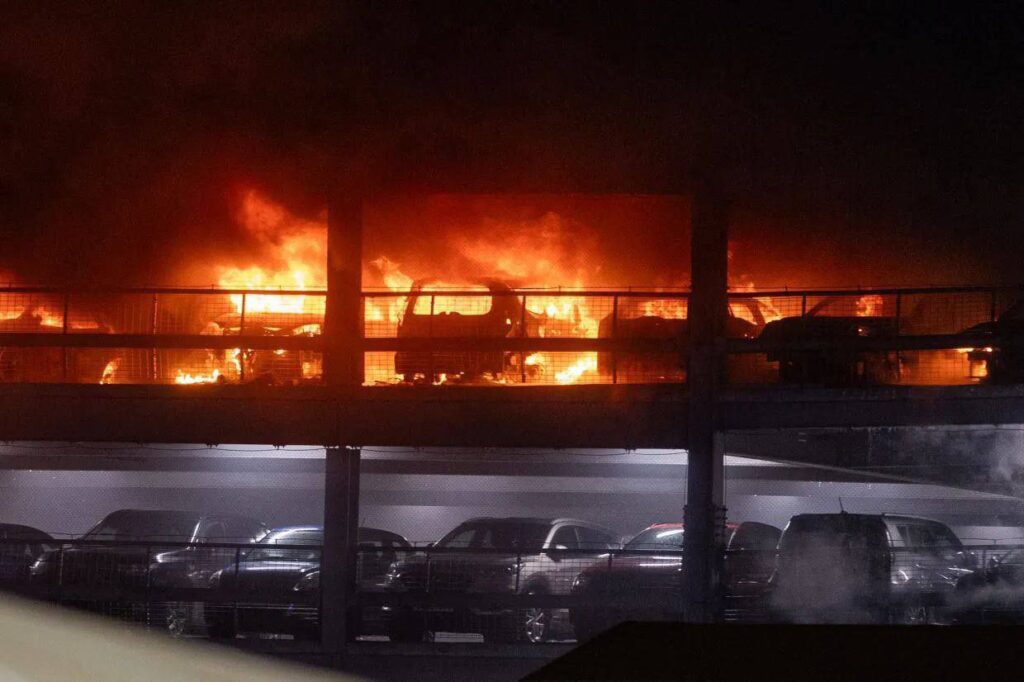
308 582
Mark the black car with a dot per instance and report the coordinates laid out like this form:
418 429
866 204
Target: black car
286 565
867 568
645 580
20 548
138 549
489 557
828 324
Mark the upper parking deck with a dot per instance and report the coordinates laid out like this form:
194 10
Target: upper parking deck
496 336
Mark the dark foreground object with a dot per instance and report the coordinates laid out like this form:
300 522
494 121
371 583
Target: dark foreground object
662 651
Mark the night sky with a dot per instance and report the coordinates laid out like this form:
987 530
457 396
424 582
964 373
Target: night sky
871 144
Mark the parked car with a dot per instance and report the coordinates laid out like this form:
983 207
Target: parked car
874 568
143 548
994 595
831 321
496 556
20 548
287 563
645 581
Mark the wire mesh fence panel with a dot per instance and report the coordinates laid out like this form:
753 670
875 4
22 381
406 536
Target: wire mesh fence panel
110 365
31 365
199 313
628 367
945 312
379 368
566 315
198 366
113 313
382 315
563 368
278 314
30 312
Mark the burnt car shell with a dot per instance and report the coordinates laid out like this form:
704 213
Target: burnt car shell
656 327
504 317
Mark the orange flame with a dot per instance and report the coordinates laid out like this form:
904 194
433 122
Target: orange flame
869 305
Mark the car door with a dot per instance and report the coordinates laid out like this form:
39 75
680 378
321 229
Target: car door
563 561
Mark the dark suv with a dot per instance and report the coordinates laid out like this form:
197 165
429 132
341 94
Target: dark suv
872 568
496 556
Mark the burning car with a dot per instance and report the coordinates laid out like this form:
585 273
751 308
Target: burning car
440 315
667 323
830 323
1001 359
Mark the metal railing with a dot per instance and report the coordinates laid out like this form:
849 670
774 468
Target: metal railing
160 335
222 590
497 336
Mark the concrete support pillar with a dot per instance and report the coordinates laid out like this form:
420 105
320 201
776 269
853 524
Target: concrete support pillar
704 515
338 560
343 324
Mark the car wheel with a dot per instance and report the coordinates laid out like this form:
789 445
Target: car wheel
912 614
176 619
535 622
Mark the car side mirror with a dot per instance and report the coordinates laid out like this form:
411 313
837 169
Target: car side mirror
561 548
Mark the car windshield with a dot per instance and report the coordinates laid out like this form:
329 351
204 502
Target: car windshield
279 545
146 525
664 537
496 535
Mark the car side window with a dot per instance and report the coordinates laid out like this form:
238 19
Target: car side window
214 531
591 538
462 539
565 536
754 537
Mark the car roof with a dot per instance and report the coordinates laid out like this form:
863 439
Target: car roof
533 519
887 517
28 531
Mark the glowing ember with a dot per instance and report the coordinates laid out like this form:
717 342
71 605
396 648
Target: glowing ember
869 305
188 379
109 370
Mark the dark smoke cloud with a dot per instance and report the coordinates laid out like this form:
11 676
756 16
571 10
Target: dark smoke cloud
868 148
